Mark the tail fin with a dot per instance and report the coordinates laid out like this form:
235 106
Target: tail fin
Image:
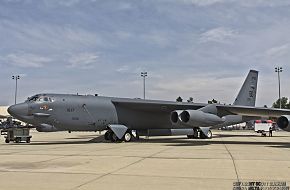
247 94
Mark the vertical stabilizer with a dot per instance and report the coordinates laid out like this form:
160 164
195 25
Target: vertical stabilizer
247 94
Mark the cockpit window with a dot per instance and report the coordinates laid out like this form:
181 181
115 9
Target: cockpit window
39 98
33 98
43 99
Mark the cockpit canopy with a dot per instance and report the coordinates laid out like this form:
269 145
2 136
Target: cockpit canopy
39 98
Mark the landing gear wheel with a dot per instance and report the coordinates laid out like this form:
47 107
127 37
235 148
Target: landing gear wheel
110 137
115 138
106 136
135 134
28 140
137 137
127 137
7 141
195 133
207 136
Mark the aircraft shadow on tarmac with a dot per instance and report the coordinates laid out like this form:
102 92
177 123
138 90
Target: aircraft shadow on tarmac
72 141
205 142
197 142
178 141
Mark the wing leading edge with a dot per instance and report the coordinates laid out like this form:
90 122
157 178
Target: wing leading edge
223 110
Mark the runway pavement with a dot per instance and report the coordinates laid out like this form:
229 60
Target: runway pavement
82 161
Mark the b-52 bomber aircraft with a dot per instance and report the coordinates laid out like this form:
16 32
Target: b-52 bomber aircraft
127 118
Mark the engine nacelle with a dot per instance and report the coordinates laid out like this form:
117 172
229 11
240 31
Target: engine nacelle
46 128
174 117
197 118
283 122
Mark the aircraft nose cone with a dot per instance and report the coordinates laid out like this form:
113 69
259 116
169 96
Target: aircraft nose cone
18 110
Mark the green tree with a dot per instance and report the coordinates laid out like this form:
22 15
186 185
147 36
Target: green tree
179 99
213 101
285 104
190 99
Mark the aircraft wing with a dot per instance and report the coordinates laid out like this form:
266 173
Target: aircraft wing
223 110
155 105
252 111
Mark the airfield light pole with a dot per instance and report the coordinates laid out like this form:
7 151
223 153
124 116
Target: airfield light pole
16 78
279 70
144 75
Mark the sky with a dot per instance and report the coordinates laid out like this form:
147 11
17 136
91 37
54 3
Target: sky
190 48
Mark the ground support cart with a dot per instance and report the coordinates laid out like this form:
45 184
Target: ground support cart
16 135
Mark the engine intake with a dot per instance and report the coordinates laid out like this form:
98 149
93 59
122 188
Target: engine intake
283 122
174 117
185 116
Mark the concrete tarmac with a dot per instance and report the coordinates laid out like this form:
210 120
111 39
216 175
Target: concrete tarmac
83 161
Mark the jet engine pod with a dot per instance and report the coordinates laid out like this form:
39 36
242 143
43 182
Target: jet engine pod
283 122
197 118
174 117
46 128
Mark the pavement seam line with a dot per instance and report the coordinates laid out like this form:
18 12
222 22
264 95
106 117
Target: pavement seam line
109 173
234 163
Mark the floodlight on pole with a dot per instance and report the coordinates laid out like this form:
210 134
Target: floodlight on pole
279 70
16 78
144 75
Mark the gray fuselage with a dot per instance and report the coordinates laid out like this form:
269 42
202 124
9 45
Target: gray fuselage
95 113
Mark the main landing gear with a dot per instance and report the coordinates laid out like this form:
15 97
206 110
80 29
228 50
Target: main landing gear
197 133
208 135
111 136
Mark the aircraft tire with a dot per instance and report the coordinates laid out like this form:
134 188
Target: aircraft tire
106 136
202 136
127 137
110 137
195 133
137 136
207 136
7 141
115 138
